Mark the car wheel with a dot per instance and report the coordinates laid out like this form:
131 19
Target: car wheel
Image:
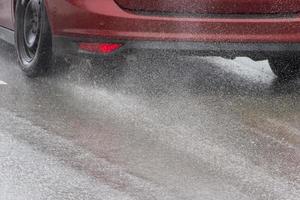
285 67
33 37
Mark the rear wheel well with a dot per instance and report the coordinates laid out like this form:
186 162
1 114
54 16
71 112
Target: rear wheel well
14 10
14 5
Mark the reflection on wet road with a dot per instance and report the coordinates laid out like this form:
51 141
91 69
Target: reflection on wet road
149 127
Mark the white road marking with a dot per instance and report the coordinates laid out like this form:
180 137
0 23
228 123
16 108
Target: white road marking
2 83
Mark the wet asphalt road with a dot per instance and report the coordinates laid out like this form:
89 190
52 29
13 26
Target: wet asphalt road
153 127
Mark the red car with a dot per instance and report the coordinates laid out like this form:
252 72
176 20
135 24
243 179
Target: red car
260 29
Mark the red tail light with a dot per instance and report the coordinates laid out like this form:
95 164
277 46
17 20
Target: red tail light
108 48
103 48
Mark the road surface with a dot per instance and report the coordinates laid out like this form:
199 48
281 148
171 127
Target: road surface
150 127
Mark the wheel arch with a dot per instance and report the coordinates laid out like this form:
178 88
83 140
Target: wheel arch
14 5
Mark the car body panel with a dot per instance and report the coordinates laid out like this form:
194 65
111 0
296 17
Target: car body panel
105 19
213 6
6 14
84 18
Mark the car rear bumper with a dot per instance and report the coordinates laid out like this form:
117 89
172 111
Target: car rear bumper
105 19
71 45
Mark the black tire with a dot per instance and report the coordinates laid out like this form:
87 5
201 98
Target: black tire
33 37
285 67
